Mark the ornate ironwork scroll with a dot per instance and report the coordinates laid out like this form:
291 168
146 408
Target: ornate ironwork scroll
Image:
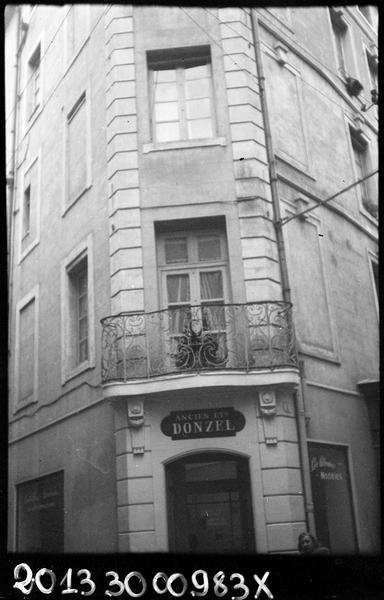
196 338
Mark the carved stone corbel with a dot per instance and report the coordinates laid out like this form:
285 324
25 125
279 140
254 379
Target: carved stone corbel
136 425
267 403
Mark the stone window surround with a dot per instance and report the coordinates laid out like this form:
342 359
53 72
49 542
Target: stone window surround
35 198
84 248
33 295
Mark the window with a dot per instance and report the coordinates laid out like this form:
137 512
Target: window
34 83
181 94
40 514
78 311
362 168
193 273
26 350
77 28
30 209
77 151
339 28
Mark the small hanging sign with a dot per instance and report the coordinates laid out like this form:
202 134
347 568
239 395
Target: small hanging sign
202 423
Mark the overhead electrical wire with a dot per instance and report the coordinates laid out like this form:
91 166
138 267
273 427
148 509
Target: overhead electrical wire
61 79
286 220
300 76
40 63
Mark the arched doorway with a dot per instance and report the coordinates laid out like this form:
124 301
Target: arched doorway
209 504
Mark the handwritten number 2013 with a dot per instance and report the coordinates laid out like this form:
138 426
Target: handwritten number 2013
30 581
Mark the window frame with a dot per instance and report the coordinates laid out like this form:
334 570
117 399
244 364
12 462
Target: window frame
177 59
34 99
70 367
359 141
35 199
32 296
373 259
82 100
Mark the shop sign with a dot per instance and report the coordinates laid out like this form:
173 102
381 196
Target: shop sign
202 423
323 468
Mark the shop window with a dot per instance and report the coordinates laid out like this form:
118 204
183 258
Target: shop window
34 83
77 151
181 94
209 505
193 274
362 167
332 497
40 514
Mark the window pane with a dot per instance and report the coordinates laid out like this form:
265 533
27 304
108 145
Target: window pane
210 471
176 250
164 75
83 301
201 128
82 282
211 285
83 351
209 248
198 109
213 317
166 111
83 328
197 89
178 288
197 72
164 92
167 132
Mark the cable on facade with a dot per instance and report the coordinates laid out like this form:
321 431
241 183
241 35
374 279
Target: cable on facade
220 46
254 76
41 62
322 202
60 80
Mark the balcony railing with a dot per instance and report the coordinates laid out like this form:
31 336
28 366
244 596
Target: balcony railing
207 337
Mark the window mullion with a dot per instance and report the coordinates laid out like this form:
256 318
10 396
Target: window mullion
180 78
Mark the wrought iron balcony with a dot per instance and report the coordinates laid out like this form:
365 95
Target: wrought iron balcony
197 338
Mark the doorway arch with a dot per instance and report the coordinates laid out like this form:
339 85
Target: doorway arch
209 504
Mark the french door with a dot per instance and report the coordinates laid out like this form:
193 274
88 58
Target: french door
209 505
194 289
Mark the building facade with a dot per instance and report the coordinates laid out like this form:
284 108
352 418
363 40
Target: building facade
193 363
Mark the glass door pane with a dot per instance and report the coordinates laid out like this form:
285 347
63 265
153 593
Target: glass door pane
214 350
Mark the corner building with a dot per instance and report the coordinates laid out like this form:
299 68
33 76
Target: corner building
189 372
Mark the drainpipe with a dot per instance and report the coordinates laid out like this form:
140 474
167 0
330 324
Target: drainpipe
21 30
299 394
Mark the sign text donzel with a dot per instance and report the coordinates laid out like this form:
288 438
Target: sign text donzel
211 422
